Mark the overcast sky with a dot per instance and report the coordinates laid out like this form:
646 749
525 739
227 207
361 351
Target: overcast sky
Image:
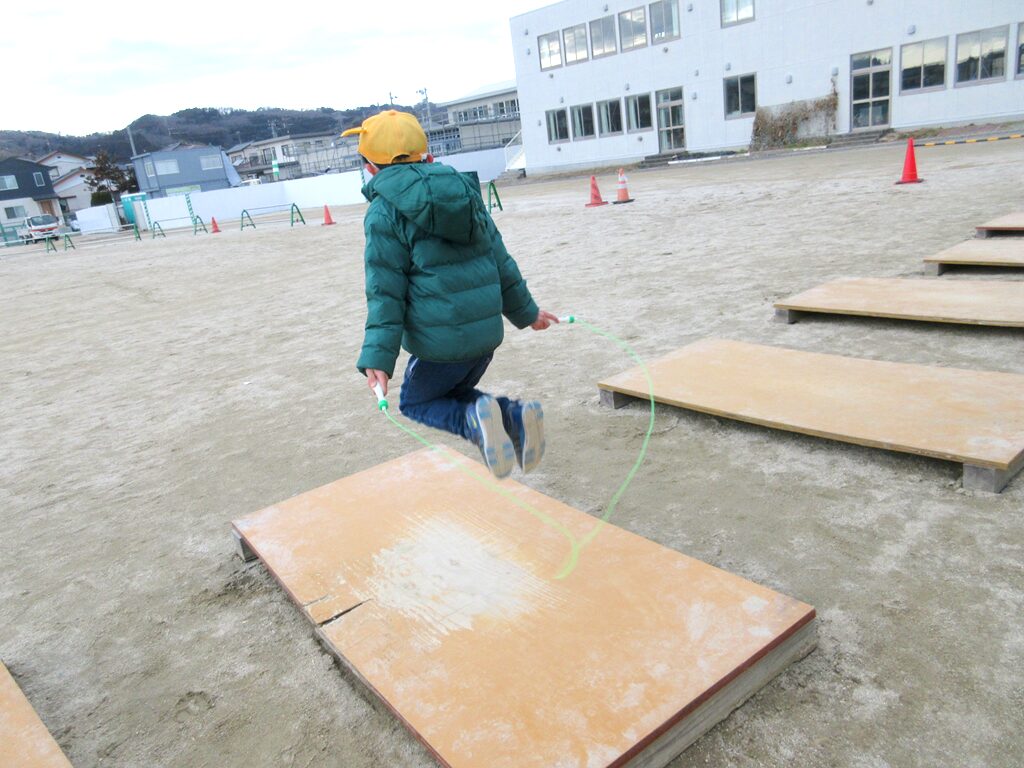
79 67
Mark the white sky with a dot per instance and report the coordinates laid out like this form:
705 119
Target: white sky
88 67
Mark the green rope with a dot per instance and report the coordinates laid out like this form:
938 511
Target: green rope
576 546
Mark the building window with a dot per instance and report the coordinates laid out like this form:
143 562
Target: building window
602 37
210 162
269 154
508 108
923 65
609 117
150 168
575 39
1020 49
638 112
166 167
633 29
740 96
8 182
737 11
40 182
16 212
558 126
582 121
981 55
548 46
286 150
664 20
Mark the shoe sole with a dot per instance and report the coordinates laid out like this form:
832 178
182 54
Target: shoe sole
533 436
499 455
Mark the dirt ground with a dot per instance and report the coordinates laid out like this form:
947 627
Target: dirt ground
154 391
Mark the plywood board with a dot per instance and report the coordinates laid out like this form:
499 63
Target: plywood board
982 253
1010 224
974 417
439 588
971 302
24 740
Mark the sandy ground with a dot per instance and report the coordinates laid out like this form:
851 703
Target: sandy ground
153 391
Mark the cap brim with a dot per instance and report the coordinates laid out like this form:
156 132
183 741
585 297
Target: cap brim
352 131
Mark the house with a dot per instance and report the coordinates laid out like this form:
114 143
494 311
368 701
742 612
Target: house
183 168
626 80
488 118
25 190
72 189
64 163
296 155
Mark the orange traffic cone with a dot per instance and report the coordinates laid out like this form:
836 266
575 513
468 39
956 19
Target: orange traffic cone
623 190
910 166
595 194
215 230
327 217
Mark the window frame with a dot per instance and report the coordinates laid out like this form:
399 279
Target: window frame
218 166
37 177
945 67
622 40
650 113
175 172
16 216
741 115
593 121
622 122
557 35
547 122
586 45
738 21
679 23
1019 52
615 37
979 80
8 185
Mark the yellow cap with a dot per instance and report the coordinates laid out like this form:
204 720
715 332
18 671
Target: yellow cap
388 135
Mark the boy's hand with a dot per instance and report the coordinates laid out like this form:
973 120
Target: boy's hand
373 376
543 321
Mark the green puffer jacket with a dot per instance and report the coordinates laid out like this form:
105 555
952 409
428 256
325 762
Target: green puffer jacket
438 277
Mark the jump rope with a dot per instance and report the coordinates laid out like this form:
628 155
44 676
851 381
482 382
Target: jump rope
576 545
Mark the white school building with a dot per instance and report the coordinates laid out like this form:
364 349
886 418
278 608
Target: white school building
607 82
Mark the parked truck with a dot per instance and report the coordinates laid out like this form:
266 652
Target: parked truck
41 227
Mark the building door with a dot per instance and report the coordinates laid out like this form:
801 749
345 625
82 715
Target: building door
671 131
46 206
870 87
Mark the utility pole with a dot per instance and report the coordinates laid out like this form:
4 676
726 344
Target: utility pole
131 140
426 104
391 98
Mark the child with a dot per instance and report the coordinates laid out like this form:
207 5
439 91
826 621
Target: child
438 280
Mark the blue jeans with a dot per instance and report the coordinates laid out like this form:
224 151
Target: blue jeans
438 394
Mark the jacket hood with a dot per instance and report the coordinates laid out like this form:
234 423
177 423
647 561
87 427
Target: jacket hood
436 198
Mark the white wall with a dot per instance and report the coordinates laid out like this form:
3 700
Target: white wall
101 218
225 204
488 163
802 39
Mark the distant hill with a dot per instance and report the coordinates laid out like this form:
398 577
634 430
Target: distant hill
200 125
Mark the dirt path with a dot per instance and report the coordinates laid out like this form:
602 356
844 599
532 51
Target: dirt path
153 391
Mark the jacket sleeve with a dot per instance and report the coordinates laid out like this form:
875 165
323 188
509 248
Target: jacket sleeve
387 261
516 302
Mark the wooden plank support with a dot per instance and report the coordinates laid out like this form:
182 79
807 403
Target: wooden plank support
974 418
614 400
242 548
1006 252
505 630
1010 224
787 316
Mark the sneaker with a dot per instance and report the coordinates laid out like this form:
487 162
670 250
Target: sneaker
527 434
488 434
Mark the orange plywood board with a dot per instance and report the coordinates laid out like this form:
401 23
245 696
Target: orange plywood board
974 417
983 253
972 302
446 601
1011 222
24 740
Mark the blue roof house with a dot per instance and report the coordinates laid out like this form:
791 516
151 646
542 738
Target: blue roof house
180 169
